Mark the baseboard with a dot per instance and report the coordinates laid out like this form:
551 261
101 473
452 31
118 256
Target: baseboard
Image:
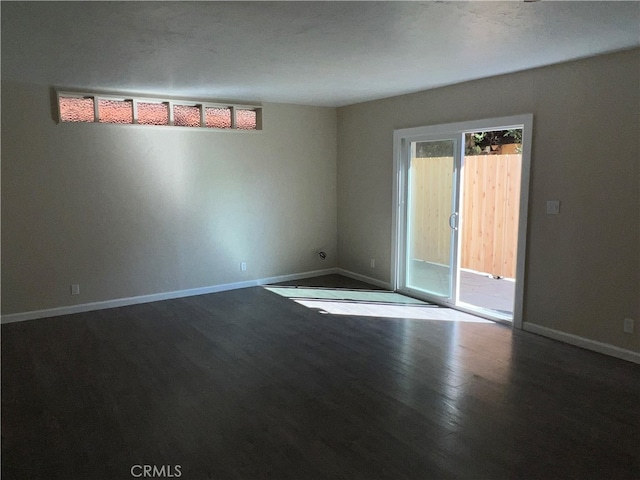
364 278
156 297
582 342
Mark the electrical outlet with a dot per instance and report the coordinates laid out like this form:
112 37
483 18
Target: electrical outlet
75 289
243 267
373 263
553 207
628 325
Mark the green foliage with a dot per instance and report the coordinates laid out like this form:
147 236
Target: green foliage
478 137
473 142
515 133
476 143
434 149
481 142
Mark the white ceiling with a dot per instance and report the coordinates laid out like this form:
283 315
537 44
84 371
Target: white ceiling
313 53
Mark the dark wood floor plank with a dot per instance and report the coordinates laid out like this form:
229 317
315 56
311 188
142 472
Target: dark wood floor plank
250 384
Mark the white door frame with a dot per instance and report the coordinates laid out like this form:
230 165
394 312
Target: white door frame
400 140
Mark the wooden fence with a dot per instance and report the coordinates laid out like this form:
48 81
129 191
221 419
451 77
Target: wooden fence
489 215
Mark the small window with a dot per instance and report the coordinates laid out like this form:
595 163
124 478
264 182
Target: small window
246 119
186 115
74 109
218 117
153 113
115 111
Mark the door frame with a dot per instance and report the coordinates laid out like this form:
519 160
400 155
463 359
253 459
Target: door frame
398 217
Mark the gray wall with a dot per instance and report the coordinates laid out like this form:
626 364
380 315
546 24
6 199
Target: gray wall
582 269
133 210
127 211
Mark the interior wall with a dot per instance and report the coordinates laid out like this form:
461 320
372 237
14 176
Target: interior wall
582 269
127 210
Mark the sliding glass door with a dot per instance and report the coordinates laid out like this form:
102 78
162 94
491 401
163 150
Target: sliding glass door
460 214
431 175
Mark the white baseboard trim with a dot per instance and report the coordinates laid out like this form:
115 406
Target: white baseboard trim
582 342
364 278
156 297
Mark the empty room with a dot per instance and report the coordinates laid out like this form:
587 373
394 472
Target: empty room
317 240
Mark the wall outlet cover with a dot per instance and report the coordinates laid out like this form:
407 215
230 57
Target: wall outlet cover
628 325
553 207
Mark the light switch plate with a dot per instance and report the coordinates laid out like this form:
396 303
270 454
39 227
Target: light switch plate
553 207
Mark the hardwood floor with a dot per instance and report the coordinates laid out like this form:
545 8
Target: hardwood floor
250 384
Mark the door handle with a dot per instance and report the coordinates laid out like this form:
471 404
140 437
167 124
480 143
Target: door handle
453 221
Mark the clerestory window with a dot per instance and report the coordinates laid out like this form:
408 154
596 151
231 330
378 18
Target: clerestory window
139 110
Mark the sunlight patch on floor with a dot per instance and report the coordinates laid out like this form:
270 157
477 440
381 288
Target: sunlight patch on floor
371 303
378 296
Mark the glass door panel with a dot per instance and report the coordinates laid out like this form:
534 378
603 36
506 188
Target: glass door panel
430 217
